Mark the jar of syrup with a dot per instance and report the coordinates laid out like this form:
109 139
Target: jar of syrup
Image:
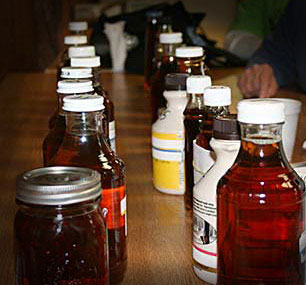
60 234
194 116
165 64
261 205
85 145
95 63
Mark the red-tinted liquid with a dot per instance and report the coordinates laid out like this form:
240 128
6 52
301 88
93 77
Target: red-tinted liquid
92 151
260 220
192 122
59 248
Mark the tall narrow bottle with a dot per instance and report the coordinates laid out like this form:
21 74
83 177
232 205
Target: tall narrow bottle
194 115
261 205
85 145
217 100
225 143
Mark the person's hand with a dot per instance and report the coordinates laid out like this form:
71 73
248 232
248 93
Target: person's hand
258 81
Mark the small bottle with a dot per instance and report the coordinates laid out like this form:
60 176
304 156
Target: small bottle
85 145
60 234
226 144
166 64
151 39
217 100
190 60
194 115
55 136
168 139
261 205
95 63
78 27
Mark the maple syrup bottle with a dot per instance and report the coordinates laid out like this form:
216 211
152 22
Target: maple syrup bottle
85 145
165 65
95 63
78 27
190 60
217 100
55 136
261 205
194 115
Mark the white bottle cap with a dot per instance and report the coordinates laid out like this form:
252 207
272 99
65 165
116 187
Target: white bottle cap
196 84
83 103
261 111
74 86
81 51
171 38
215 96
75 40
76 72
291 106
78 26
189 52
93 61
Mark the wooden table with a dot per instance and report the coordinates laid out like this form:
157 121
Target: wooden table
159 245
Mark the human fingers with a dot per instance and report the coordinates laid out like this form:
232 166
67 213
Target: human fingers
268 84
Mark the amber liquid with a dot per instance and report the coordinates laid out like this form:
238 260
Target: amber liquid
92 151
205 135
61 250
158 86
192 122
260 219
192 66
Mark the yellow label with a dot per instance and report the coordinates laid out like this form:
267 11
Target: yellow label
163 136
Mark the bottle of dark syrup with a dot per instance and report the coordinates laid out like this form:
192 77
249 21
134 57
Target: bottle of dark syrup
194 115
261 205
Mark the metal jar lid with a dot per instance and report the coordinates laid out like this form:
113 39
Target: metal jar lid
226 127
58 186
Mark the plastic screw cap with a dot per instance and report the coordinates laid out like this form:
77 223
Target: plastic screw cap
78 26
261 111
83 103
196 84
93 61
81 51
74 86
171 38
189 52
215 96
75 40
76 72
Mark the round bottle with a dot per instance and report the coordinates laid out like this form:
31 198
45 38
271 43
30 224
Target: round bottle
85 145
95 63
261 205
55 136
190 60
168 139
78 27
165 64
217 100
225 143
60 234
194 115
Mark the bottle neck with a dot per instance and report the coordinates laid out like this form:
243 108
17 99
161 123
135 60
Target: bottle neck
195 101
214 111
169 50
176 100
194 65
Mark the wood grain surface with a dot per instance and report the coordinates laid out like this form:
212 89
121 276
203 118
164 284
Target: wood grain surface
159 228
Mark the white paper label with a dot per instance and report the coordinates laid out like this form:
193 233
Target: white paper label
123 211
302 243
112 135
203 160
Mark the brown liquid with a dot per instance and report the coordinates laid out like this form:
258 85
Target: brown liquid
205 134
260 219
91 150
192 122
192 66
55 247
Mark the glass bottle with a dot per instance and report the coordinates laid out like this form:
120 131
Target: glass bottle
217 100
165 54
190 60
261 205
55 136
78 27
151 39
85 145
95 63
225 143
194 115
60 238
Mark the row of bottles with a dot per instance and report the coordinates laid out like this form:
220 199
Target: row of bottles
81 137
